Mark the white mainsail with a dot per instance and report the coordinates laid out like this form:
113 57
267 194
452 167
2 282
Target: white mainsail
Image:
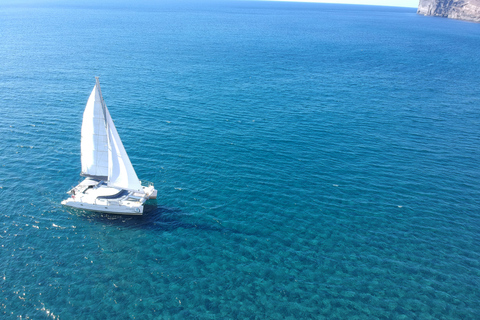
94 143
103 154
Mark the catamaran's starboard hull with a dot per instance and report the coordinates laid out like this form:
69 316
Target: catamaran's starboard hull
115 209
153 194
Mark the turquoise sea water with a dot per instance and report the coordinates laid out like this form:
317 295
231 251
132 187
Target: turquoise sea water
313 161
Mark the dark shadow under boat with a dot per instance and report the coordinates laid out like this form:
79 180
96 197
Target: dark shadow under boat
154 218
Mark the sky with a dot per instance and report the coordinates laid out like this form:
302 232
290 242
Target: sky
394 3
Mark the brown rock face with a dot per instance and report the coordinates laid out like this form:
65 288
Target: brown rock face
468 10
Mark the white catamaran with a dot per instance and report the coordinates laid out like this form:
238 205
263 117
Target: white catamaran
111 183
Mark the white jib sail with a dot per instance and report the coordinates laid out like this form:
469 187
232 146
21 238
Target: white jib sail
120 170
94 141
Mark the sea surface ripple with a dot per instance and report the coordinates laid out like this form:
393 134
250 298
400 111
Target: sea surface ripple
312 161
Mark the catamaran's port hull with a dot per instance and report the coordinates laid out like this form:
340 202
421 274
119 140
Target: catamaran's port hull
121 209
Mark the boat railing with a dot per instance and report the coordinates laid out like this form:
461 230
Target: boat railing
146 183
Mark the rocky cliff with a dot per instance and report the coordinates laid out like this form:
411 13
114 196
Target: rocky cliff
468 10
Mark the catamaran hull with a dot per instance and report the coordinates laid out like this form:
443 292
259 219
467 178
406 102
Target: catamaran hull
96 195
153 194
116 209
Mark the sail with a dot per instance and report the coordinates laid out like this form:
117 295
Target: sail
94 142
120 170
103 154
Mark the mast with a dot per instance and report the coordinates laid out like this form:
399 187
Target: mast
104 107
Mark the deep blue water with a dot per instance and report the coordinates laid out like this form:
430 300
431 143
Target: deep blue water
313 161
